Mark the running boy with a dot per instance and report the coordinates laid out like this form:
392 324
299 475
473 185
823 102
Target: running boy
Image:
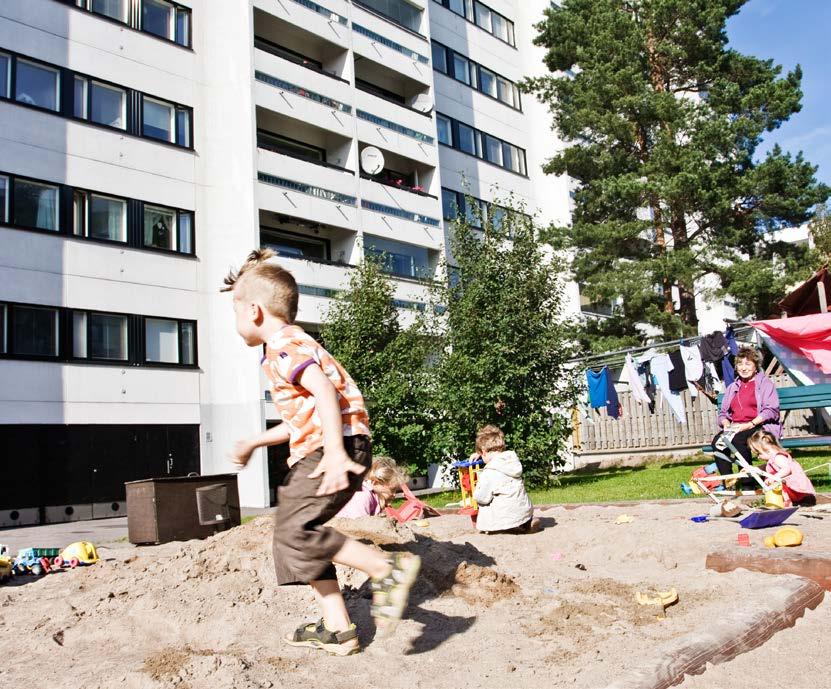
326 425
504 506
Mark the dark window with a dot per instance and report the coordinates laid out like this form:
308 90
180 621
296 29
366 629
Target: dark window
439 57
160 227
115 9
449 204
37 84
100 336
294 246
4 199
488 147
398 258
289 147
4 328
461 68
35 331
400 12
165 121
467 139
36 205
445 131
5 75
287 54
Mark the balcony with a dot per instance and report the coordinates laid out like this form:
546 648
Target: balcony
385 218
381 42
302 94
329 177
293 197
406 133
326 19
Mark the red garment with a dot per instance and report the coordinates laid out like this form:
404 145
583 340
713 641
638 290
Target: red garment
807 335
743 408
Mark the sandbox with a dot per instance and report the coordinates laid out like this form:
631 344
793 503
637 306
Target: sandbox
556 608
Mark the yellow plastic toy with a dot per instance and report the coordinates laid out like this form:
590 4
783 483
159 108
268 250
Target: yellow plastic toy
786 537
5 568
774 497
468 475
81 551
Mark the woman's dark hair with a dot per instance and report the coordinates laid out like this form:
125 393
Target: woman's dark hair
751 354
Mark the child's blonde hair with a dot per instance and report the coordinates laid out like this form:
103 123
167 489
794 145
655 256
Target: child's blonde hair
385 472
490 439
267 283
761 438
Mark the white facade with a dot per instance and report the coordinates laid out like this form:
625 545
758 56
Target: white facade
271 104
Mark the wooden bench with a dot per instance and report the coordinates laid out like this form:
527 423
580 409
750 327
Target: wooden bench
799 397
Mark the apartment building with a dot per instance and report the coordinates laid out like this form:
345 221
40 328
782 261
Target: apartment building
148 145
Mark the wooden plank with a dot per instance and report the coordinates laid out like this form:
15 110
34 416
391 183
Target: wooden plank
814 566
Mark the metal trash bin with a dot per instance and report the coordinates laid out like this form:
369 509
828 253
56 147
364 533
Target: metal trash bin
181 508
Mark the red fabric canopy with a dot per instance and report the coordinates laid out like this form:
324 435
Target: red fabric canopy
808 335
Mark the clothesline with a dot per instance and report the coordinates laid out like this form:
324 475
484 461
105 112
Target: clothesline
618 356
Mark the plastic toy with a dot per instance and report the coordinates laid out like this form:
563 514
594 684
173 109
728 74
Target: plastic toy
5 568
744 540
468 475
413 508
79 553
765 518
786 537
34 561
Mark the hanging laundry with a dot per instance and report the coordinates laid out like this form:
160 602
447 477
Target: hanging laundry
612 402
648 382
730 336
715 379
678 374
661 366
713 347
635 382
727 372
693 367
597 387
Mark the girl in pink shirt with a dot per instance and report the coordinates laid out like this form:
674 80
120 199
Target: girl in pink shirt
784 469
381 484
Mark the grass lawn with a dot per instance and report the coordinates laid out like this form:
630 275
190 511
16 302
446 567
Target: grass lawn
654 481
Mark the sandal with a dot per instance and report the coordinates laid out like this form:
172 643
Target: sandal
390 594
315 635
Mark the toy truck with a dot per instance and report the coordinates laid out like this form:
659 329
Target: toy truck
34 561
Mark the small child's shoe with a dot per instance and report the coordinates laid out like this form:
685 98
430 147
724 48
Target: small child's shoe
391 593
315 635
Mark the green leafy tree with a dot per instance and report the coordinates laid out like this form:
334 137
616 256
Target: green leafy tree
504 353
388 363
661 122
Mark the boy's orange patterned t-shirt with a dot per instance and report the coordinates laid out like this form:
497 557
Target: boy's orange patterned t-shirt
288 353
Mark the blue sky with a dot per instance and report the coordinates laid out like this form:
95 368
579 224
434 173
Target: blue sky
792 32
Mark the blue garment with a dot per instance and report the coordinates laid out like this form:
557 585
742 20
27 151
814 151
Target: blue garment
602 391
730 336
598 384
727 372
612 403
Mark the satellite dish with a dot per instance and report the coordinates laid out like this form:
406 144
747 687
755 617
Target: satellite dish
372 160
423 103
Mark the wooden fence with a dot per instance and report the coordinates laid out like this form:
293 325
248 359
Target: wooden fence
637 430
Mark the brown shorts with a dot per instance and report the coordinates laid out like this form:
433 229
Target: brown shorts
303 547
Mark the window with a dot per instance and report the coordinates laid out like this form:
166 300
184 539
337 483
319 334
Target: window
4 199
157 120
185 225
183 126
461 68
449 204
99 336
107 218
493 149
398 11
37 85
159 227
290 147
500 27
108 105
35 205
182 36
467 139
169 341
35 331
157 17
4 328
439 57
79 213
5 75
294 246
115 9
444 129
79 98
483 17
507 92
497 216
487 82
457 6
398 258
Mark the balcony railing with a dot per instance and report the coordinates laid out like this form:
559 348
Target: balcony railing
313 161
387 183
378 38
333 16
399 128
303 92
273 49
328 293
399 213
303 188
378 94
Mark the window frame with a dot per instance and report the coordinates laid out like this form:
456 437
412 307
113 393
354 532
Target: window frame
471 15
8 75
11 318
41 65
88 314
68 227
482 141
171 22
180 323
13 204
133 19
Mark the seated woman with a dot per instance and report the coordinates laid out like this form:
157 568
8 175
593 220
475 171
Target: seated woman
750 403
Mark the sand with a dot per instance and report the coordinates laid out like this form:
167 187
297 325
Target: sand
554 609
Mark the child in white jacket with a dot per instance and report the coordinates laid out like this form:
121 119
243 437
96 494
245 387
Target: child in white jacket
504 506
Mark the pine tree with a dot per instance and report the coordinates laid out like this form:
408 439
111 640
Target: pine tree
662 121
